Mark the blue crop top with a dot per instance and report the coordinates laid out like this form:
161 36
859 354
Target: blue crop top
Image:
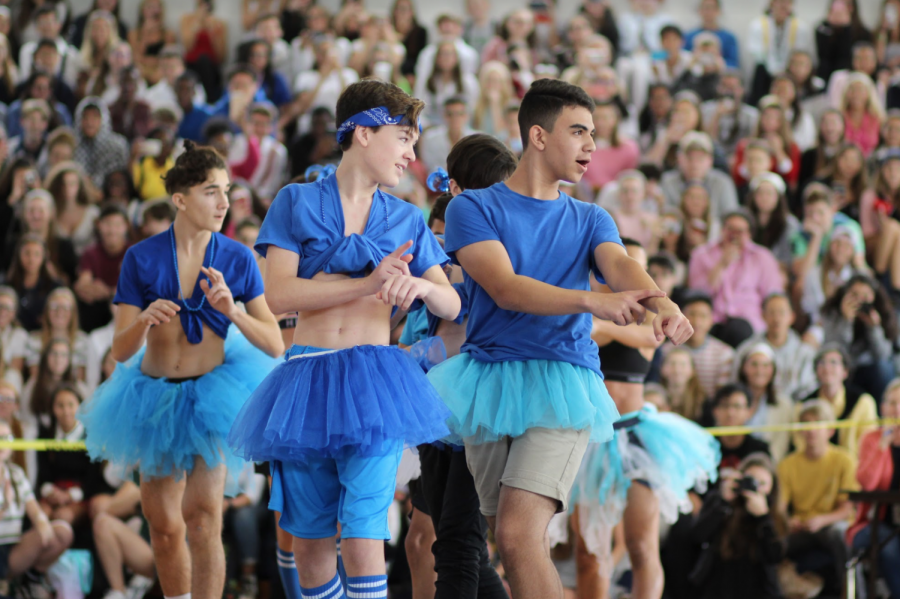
308 219
148 274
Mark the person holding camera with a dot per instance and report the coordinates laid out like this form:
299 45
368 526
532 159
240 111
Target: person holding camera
705 69
727 118
861 318
741 530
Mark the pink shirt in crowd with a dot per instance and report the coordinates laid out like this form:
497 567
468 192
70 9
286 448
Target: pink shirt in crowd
606 163
742 286
865 136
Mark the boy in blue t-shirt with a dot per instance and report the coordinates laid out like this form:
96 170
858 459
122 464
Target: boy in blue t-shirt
526 393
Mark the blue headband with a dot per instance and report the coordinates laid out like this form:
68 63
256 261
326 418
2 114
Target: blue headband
320 171
374 117
439 180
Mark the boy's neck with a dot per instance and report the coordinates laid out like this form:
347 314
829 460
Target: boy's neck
188 236
815 453
777 338
354 184
532 179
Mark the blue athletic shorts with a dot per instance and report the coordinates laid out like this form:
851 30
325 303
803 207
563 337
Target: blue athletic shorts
315 495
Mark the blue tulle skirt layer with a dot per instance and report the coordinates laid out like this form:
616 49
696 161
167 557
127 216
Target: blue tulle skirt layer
491 400
160 427
663 451
326 403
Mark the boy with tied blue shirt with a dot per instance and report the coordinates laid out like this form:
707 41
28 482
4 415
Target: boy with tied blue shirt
334 417
526 393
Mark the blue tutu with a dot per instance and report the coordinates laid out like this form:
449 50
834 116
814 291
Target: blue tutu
491 400
668 453
160 426
325 403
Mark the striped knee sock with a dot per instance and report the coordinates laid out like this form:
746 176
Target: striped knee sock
287 572
330 590
340 565
367 587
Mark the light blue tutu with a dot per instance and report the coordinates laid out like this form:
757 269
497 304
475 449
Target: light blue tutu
491 400
160 427
670 454
328 403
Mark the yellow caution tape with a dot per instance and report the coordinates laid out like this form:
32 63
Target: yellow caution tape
43 445
716 431
730 431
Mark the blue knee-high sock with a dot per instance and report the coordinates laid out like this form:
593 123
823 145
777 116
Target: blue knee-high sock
330 590
367 587
340 565
287 572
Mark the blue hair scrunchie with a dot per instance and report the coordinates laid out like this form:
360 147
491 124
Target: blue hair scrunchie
439 180
373 117
320 170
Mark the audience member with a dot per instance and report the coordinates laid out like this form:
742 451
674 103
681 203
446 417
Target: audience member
814 482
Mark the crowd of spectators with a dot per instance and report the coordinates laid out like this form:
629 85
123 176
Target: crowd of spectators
763 181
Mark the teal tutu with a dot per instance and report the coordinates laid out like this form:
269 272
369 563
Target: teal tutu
666 452
160 427
326 403
491 400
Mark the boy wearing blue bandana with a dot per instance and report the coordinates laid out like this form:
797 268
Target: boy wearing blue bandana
526 393
334 417
167 408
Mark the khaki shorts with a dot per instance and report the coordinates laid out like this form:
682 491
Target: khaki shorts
543 461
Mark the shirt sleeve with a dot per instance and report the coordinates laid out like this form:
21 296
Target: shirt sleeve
426 250
253 283
276 228
605 231
466 223
128 288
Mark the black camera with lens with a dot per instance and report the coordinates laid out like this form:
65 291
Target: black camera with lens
748 483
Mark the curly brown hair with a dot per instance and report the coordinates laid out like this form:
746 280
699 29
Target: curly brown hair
192 167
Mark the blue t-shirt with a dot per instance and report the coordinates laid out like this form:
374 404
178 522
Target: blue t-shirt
308 220
148 274
550 241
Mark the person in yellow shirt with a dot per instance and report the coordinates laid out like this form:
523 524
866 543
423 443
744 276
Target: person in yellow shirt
151 159
848 402
814 485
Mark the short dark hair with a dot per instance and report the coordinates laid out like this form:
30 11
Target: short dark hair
671 29
372 93
216 126
46 42
239 68
439 209
744 214
110 209
265 17
192 167
479 160
651 171
189 76
454 100
695 296
663 261
727 391
161 210
46 9
863 45
544 102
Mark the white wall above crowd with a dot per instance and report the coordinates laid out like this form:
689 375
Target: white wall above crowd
736 13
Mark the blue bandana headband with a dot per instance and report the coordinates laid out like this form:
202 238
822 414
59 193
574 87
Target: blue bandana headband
374 117
439 180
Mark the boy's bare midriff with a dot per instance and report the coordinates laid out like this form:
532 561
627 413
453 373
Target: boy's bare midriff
171 355
364 321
